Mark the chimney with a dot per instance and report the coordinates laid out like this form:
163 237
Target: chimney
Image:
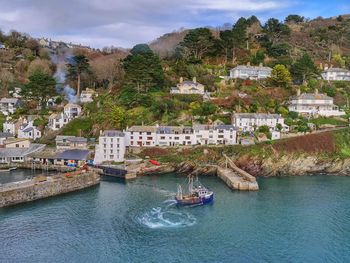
316 91
261 65
194 80
331 66
248 64
181 79
325 66
298 92
101 132
321 65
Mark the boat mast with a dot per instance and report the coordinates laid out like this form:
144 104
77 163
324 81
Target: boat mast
179 191
190 184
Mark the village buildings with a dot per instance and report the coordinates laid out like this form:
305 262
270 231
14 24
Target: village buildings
9 105
248 122
58 120
87 96
336 74
28 131
250 72
314 104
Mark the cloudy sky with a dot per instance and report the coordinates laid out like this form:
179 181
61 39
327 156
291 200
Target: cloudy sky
124 23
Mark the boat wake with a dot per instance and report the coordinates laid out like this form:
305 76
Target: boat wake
167 216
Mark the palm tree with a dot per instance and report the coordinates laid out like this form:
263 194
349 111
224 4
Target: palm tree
76 66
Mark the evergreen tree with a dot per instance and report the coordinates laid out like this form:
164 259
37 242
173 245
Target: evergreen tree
280 76
304 69
76 66
197 44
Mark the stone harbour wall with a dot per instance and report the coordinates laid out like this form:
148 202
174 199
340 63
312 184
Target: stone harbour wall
30 190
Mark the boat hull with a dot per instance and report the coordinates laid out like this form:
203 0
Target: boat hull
195 200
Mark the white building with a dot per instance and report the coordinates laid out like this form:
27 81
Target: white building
215 134
110 147
141 136
314 104
174 135
72 110
70 142
188 87
339 74
28 131
16 93
252 121
9 105
250 72
57 121
4 136
87 96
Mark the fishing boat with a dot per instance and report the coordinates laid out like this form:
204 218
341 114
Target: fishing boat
7 170
197 194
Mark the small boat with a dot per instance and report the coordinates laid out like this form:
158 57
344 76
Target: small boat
197 194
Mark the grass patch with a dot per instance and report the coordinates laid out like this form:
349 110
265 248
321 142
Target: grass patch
329 121
79 126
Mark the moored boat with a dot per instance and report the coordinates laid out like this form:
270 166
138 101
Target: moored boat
197 194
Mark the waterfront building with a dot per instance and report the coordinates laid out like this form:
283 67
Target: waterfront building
174 136
252 121
336 74
110 147
87 95
9 105
73 157
215 134
70 142
314 104
141 136
250 72
188 87
72 110
29 131
17 150
4 136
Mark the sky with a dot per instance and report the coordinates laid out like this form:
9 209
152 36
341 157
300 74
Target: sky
124 23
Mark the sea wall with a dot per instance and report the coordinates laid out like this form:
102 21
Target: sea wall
42 187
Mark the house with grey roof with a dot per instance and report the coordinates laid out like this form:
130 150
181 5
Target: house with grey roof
18 150
188 87
71 142
247 122
111 147
4 136
9 105
314 104
336 74
73 157
29 131
250 72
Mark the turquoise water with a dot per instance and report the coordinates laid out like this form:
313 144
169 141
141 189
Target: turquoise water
292 219
19 175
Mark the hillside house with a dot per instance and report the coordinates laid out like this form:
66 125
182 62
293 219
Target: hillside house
188 87
87 96
250 72
314 104
57 121
252 121
110 147
72 110
28 131
215 134
141 136
12 126
9 105
70 142
336 74
174 135
4 136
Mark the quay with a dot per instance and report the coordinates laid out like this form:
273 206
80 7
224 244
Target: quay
42 187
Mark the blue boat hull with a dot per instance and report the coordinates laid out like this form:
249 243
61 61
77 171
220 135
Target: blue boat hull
195 200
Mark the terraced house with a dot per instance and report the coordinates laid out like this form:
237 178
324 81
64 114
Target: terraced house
251 121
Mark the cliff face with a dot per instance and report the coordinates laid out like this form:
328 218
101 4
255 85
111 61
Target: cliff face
294 165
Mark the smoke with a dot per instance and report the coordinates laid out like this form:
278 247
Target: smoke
59 58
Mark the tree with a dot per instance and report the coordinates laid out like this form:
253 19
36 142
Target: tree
33 45
41 86
197 43
294 19
276 30
143 69
258 57
280 76
6 78
117 117
39 65
304 68
76 66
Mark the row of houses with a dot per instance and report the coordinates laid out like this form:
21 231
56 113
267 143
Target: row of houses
58 120
22 128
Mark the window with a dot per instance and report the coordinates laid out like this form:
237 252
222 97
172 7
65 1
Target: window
17 145
149 133
162 137
187 137
111 156
149 138
105 145
111 151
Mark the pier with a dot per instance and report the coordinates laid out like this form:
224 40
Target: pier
236 178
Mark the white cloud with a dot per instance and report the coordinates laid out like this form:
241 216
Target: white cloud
123 22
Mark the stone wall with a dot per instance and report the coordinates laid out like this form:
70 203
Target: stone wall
30 190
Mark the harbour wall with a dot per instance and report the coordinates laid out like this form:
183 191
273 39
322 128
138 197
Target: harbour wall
43 187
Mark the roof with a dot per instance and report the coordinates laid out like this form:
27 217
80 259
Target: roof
113 133
14 140
74 155
189 83
5 135
337 70
21 152
63 137
9 100
72 105
252 68
143 129
225 127
257 116
28 129
169 129
77 139
312 96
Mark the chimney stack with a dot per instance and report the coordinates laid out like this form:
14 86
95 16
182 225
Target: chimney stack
316 91
260 65
194 80
325 66
321 66
181 79
248 64
298 92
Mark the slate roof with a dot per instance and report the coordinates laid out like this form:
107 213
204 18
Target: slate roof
9 100
75 154
5 135
113 133
77 139
337 70
243 67
143 129
21 152
312 96
257 116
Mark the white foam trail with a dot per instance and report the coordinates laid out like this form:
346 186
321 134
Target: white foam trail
167 217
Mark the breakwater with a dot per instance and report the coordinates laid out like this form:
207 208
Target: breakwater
43 187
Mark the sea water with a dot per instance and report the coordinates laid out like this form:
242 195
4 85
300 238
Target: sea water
291 219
